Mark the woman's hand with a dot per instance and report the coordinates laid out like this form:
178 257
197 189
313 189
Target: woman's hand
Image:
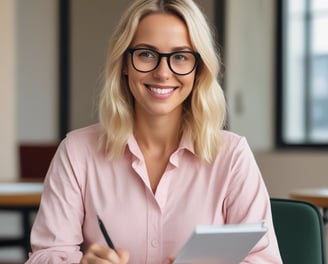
97 254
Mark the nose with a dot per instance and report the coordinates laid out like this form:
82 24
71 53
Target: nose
163 70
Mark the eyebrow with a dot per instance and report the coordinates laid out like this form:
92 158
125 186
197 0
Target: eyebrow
180 48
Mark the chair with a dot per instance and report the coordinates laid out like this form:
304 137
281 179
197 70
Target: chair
35 159
300 231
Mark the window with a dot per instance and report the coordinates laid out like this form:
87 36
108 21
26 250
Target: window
302 92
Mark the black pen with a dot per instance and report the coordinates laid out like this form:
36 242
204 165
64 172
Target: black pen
105 234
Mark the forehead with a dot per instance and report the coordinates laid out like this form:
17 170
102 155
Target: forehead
162 31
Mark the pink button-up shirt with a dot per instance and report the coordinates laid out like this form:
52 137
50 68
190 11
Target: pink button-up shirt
82 183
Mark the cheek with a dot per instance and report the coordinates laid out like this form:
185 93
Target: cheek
135 83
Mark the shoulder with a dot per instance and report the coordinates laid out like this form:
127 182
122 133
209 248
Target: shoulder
231 139
84 139
233 145
236 156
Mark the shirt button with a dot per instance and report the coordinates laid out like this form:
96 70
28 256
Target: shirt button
154 243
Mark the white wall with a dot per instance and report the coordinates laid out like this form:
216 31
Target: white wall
250 44
37 70
284 171
7 89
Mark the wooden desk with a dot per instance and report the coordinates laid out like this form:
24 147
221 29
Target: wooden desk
20 193
316 196
24 198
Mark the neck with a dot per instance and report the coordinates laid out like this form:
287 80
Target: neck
161 133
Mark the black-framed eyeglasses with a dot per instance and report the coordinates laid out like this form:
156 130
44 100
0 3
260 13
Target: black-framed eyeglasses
179 62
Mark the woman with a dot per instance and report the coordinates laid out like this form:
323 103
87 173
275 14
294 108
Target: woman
158 163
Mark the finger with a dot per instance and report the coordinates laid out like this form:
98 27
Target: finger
124 255
92 259
169 260
100 254
107 253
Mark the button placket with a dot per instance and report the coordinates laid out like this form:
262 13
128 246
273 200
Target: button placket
154 231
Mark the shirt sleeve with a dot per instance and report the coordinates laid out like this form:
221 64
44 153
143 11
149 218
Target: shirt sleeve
249 201
56 233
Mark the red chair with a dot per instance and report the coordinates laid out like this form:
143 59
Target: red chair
35 159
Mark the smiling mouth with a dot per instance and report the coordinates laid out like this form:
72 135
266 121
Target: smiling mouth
160 91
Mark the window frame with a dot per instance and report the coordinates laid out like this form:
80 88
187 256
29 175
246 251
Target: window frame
280 86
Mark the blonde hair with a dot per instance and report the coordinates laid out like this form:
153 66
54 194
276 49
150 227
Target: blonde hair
204 110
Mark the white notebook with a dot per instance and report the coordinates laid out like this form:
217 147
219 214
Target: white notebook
220 244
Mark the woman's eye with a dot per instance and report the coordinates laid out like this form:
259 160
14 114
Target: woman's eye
180 57
146 54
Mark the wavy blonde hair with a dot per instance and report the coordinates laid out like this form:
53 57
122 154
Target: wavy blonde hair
205 108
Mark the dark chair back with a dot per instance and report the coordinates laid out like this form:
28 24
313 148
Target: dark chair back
35 160
300 231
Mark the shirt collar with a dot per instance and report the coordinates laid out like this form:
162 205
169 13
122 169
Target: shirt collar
186 143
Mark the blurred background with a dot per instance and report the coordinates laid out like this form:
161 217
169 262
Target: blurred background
275 56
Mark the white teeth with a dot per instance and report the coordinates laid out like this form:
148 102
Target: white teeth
161 91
